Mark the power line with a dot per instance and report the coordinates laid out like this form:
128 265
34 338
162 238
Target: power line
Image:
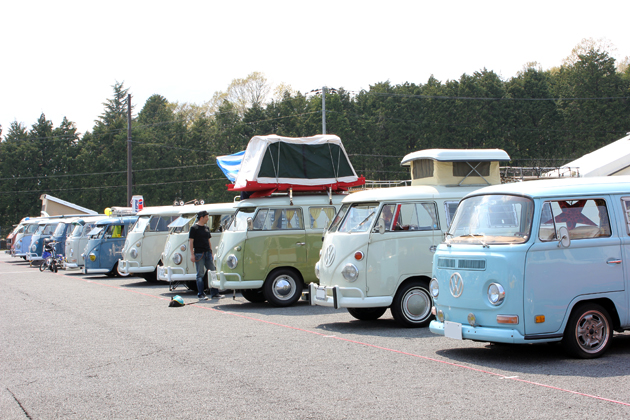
111 186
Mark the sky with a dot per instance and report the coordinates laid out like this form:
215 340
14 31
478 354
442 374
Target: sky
62 57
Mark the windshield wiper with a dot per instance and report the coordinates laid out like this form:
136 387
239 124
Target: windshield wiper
363 222
479 235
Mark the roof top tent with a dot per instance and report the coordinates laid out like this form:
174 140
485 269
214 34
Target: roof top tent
610 160
455 167
273 163
53 206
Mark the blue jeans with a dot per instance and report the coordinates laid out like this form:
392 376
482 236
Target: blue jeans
203 262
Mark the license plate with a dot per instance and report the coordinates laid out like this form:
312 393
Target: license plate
453 330
320 293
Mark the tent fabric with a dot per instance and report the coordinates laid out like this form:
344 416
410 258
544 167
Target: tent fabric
230 164
279 163
611 159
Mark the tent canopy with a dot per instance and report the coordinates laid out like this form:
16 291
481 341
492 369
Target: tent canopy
275 163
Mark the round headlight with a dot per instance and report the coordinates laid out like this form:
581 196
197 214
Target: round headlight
92 257
134 253
232 261
71 252
183 247
320 254
496 294
317 269
434 288
350 272
33 247
177 258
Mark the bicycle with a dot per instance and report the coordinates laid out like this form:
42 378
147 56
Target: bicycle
51 260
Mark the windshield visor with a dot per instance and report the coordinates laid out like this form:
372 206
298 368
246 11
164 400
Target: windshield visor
76 231
141 224
60 229
492 219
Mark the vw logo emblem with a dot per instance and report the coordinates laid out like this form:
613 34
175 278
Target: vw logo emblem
456 284
329 256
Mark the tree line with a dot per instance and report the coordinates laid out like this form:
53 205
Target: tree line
540 117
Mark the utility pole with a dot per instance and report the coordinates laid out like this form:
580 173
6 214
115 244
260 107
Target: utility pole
324 110
129 181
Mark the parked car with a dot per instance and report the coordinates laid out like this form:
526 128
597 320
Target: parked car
378 252
105 244
536 262
178 268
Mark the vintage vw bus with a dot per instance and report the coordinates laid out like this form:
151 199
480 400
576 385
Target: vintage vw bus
45 229
378 252
536 262
22 242
17 229
105 245
145 241
269 250
177 266
77 240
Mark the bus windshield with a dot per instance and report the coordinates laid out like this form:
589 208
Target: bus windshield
358 217
492 219
239 223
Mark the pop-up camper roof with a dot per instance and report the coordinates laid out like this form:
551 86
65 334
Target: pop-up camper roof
455 167
274 163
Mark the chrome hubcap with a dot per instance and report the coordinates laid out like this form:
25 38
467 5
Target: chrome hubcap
283 287
417 305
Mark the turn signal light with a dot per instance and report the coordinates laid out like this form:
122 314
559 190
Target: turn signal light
358 255
507 319
540 319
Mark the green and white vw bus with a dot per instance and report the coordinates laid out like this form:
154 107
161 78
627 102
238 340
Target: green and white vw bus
269 250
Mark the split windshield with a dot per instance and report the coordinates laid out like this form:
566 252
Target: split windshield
492 219
357 217
239 223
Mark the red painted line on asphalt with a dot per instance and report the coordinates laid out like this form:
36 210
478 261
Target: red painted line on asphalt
431 359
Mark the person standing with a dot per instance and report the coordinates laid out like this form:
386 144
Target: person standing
201 252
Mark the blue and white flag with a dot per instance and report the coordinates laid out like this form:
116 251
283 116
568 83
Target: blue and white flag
230 164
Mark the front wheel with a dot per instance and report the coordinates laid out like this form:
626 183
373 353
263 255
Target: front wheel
367 314
412 304
283 287
44 265
254 295
588 331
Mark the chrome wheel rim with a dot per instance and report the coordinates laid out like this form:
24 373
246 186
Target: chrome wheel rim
592 331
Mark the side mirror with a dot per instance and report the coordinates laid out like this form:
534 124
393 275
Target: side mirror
250 224
564 241
381 226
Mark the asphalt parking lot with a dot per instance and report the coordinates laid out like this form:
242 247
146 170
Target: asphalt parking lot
77 347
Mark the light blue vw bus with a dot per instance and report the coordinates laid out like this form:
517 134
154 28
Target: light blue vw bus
535 262
104 248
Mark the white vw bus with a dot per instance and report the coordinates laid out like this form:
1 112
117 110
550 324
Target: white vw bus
177 266
378 252
145 241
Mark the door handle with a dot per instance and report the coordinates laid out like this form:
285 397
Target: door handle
613 262
301 243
